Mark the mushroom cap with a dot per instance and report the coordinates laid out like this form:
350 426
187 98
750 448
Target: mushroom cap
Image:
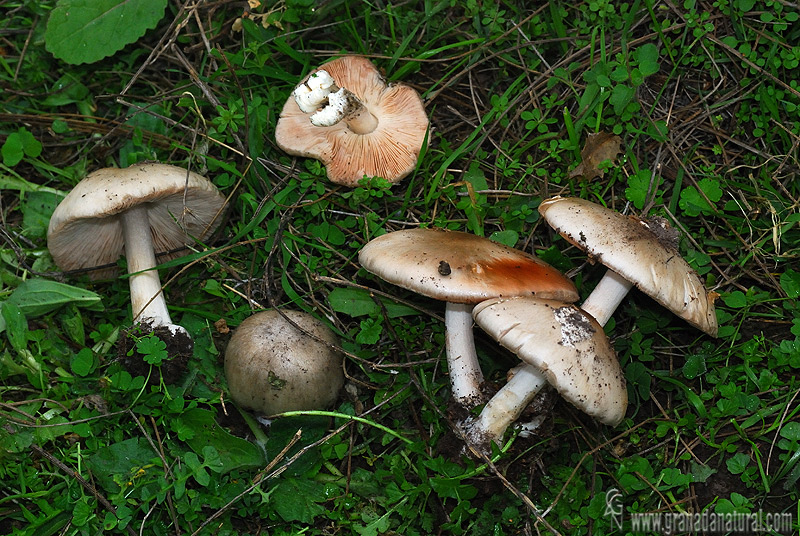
566 345
631 247
390 151
272 367
460 267
85 231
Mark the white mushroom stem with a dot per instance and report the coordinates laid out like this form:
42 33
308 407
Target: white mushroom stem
506 405
462 359
606 296
147 300
343 105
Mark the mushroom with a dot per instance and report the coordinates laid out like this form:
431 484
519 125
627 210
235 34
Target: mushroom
272 366
144 209
636 254
461 269
346 115
560 345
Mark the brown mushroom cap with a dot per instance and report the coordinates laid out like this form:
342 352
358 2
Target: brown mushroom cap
628 246
390 151
85 230
272 367
564 344
459 267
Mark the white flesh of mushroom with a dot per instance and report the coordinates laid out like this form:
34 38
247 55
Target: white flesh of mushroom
147 300
313 93
336 109
462 359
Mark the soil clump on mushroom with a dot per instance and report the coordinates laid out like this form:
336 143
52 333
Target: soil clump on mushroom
179 348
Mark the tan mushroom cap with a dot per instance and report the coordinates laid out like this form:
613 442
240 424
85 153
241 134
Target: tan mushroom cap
85 230
628 246
272 367
460 267
390 151
564 344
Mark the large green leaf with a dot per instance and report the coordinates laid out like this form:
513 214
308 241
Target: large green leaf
199 429
358 302
36 297
120 460
298 499
84 31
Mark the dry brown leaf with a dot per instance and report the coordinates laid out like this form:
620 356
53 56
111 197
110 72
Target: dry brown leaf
599 146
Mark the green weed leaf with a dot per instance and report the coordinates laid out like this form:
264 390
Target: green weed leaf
735 299
84 31
352 301
790 282
648 59
18 145
738 463
81 512
695 204
639 378
370 331
694 366
234 452
621 95
119 459
153 349
212 460
36 297
700 471
357 302
297 500
83 362
507 238
198 471
791 431
14 321
639 186
672 477
452 488
72 323
37 208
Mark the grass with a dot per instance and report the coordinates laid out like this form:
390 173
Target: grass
704 100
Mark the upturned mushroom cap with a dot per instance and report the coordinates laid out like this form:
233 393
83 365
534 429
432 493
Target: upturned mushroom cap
85 229
567 346
631 247
390 151
272 367
459 267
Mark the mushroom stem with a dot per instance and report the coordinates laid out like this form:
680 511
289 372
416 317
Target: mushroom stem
147 300
462 359
360 120
343 105
506 405
606 296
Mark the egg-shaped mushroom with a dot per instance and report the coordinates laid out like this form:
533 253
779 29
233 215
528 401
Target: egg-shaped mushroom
272 366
